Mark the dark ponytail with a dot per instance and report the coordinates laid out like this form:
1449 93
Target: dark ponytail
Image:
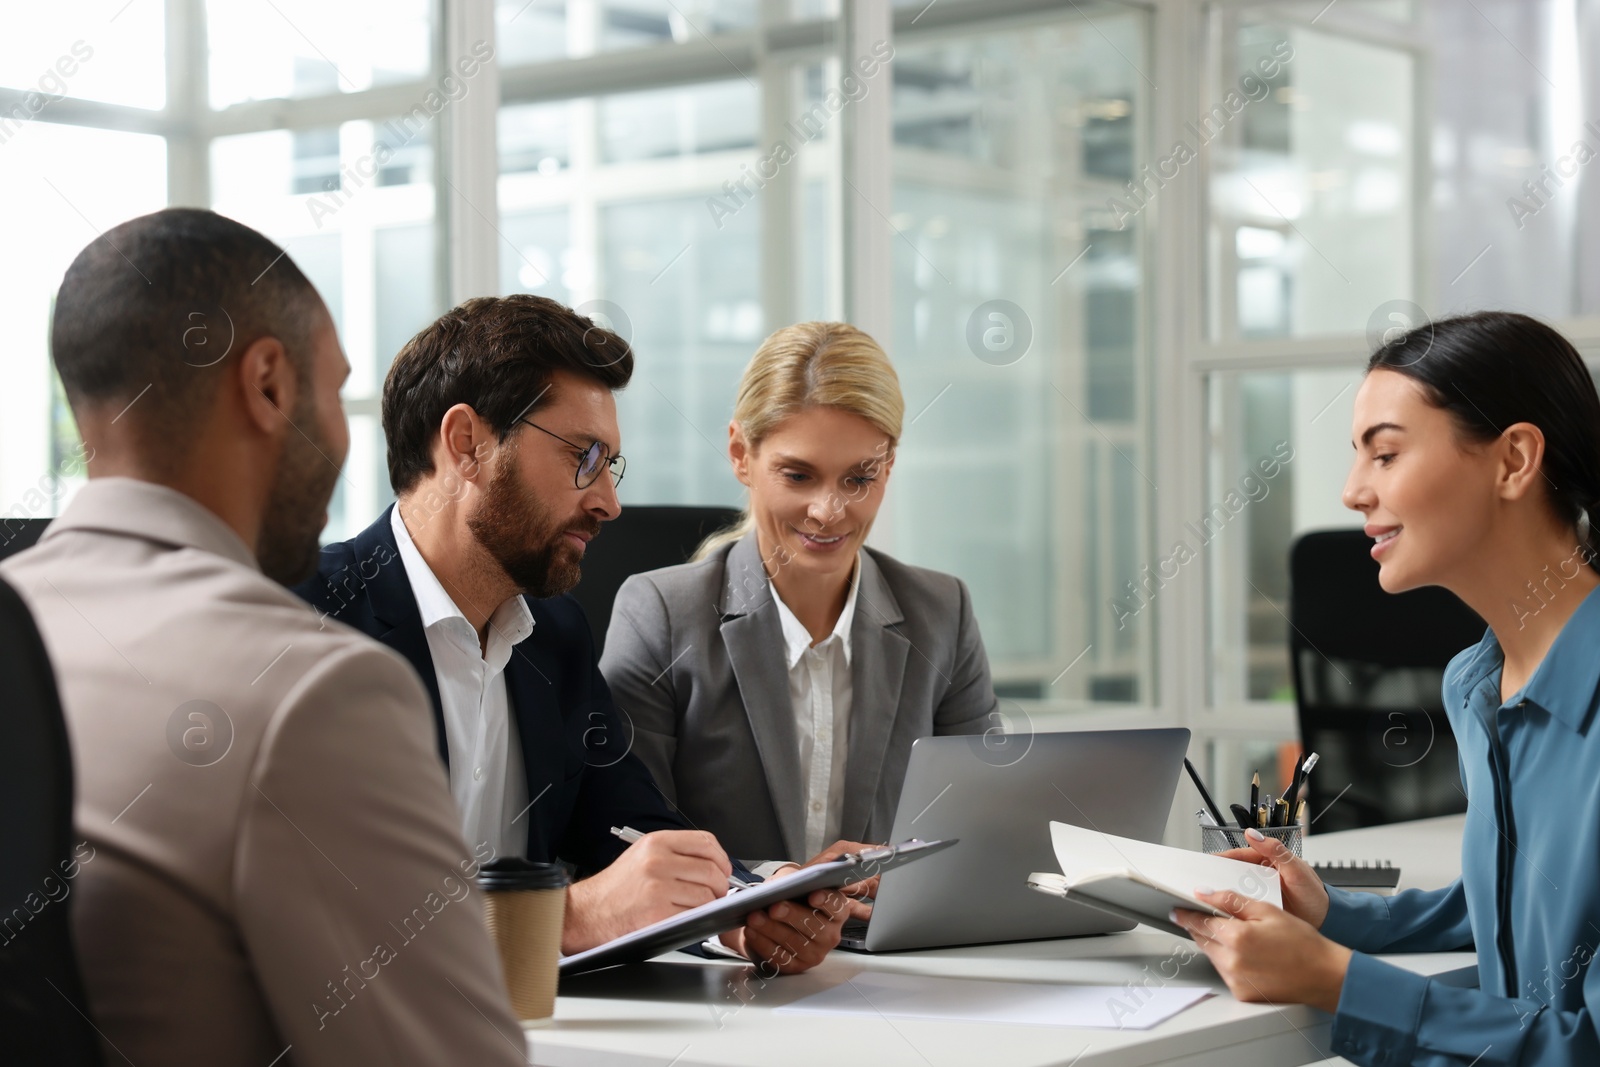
1494 368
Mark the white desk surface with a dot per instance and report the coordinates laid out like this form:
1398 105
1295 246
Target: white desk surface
678 1011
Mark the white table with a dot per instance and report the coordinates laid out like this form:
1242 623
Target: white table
685 1012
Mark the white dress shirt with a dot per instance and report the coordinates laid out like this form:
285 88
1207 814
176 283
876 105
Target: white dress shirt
820 691
487 779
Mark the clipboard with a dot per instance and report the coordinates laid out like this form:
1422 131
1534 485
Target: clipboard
726 913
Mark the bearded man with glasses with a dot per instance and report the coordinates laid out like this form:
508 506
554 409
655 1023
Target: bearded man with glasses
503 444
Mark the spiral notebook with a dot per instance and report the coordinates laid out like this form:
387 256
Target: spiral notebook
1378 876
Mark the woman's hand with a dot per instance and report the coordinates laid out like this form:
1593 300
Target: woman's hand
1264 954
1304 895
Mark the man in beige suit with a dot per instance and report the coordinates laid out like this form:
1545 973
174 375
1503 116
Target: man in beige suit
277 876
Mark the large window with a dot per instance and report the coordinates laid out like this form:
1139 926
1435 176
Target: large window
1313 188
1404 161
289 49
1020 335
64 183
660 209
613 205
1127 257
353 201
552 29
363 233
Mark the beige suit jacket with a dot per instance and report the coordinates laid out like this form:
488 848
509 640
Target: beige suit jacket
275 867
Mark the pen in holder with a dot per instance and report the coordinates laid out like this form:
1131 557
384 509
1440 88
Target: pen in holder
1223 838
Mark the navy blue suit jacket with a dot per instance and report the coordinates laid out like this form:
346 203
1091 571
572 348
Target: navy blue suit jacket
583 778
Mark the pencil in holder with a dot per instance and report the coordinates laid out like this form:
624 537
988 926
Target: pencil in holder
1223 838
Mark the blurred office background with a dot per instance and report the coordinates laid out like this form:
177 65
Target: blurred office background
1094 374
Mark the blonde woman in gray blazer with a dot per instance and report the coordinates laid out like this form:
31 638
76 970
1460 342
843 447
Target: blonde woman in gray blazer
775 684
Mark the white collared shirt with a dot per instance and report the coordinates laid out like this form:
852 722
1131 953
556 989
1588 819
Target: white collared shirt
820 692
487 778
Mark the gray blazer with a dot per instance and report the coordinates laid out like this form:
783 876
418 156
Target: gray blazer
695 659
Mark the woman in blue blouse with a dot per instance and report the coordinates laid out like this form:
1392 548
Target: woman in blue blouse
1477 467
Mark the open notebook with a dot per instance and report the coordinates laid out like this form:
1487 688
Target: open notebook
1142 882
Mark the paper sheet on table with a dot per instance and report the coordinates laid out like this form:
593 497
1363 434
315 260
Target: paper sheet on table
915 996
1081 852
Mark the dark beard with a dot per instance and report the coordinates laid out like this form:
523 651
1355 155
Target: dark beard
307 475
523 536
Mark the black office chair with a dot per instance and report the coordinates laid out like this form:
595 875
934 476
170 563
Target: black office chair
43 1012
18 534
641 539
1367 669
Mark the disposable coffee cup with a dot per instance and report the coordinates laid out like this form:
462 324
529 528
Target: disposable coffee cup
524 904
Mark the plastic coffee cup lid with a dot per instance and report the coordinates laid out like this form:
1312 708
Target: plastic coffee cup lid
514 872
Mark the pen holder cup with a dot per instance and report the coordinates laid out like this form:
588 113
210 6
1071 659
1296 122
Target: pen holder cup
1222 838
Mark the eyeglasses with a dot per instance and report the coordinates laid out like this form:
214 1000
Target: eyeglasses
591 460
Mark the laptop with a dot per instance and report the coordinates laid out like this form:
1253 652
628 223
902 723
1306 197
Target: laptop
1000 804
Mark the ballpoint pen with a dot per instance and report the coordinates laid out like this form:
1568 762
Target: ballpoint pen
1299 780
630 835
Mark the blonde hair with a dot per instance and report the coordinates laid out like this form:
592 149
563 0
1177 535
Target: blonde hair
811 365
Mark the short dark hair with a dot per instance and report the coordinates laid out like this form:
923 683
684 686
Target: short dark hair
1491 369
151 309
497 355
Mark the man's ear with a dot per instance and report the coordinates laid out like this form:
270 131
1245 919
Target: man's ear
269 385
1521 459
464 443
739 453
